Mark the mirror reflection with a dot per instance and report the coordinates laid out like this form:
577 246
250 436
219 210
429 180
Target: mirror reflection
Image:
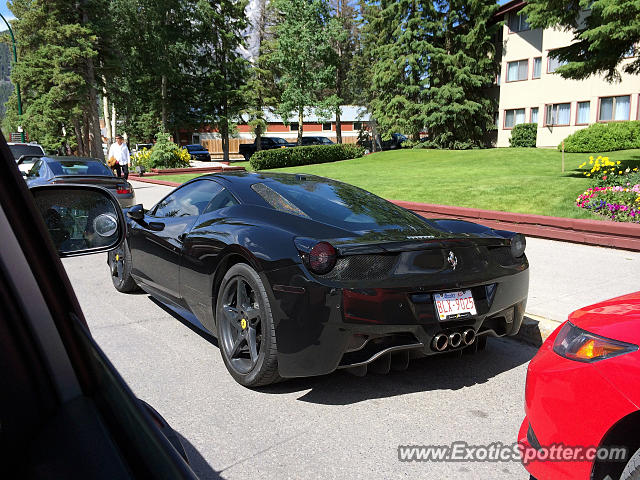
77 219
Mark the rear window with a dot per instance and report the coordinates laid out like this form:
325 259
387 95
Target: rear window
80 167
19 150
336 203
195 148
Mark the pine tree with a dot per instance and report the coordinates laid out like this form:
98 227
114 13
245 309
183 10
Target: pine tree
432 64
303 56
461 70
56 72
220 70
260 91
609 33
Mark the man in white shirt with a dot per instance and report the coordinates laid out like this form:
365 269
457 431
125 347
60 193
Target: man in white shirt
120 152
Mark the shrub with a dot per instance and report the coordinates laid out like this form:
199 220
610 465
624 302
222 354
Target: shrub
166 154
142 159
604 137
294 156
524 135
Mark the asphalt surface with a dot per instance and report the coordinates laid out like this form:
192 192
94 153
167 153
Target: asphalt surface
336 426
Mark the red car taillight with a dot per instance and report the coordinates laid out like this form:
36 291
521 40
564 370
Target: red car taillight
123 190
322 258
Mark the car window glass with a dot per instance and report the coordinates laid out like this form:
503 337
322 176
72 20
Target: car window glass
80 167
223 199
190 200
34 172
19 150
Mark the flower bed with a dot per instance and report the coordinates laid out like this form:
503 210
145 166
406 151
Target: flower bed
615 193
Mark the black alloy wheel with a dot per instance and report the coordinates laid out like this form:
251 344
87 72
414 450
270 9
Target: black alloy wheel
119 261
245 328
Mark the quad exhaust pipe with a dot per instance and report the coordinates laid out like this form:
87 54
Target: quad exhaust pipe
442 341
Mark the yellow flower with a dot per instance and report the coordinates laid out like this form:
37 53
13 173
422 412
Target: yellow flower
619 172
590 160
588 174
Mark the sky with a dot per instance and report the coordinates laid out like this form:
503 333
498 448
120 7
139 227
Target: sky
4 10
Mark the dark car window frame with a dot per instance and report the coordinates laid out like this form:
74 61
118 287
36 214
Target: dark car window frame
154 209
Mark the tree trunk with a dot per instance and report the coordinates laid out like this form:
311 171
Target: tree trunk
105 112
258 132
338 126
224 131
85 134
164 102
113 121
78 129
300 120
374 136
93 146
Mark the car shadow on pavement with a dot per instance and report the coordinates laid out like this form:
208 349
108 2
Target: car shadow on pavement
191 323
440 372
198 464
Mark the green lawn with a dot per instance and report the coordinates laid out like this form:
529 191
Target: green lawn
524 180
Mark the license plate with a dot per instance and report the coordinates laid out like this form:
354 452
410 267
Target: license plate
454 304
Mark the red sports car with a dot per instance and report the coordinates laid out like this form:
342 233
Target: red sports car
582 396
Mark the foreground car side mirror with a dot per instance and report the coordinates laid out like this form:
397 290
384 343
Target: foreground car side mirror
136 212
81 219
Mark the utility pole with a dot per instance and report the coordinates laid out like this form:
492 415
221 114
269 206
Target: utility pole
15 60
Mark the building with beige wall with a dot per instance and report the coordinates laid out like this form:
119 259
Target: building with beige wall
530 91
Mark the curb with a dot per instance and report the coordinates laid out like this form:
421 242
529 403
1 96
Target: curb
600 233
535 329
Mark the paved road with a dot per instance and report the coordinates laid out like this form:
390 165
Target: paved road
336 426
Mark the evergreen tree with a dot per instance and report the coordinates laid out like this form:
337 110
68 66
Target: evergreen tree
432 66
260 91
56 72
303 56
461 70
605 33
396 37
220 70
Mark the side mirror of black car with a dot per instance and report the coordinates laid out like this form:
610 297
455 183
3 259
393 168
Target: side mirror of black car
81 219
136 212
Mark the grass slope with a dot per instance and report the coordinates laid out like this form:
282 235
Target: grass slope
523 180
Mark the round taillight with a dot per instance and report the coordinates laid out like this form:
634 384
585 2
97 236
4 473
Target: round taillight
322 258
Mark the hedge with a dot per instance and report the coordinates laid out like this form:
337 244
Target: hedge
604 137
295 156
524 135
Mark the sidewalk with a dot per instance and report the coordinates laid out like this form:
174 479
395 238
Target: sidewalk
563 276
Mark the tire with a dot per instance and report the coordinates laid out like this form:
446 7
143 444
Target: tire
244 327
247 156
119 261
632 469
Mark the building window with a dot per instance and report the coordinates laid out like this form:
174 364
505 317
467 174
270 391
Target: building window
326 126
518 22
558 114
537 66
554 63
293 127
513 117
517 71
582 116
534 115
357 126
615 108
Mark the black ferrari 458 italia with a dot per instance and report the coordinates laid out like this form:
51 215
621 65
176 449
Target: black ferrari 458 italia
298 275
